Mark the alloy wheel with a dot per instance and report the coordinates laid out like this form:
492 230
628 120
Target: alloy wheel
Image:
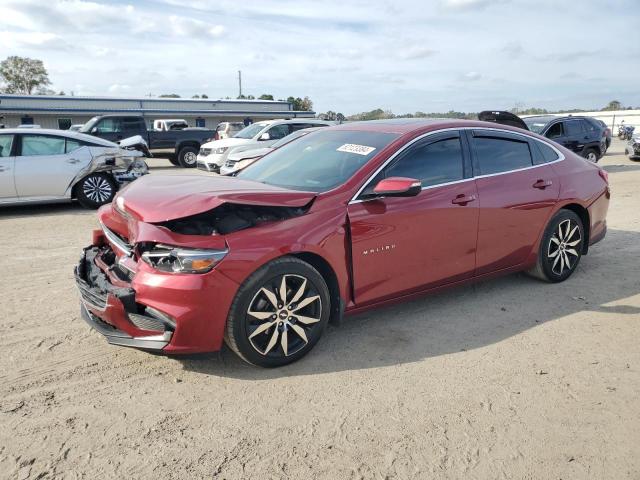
97 189
562 252
592 157
282 315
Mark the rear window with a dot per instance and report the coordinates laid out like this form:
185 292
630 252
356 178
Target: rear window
499 154
548 153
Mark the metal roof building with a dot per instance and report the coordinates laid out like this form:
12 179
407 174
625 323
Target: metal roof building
64 111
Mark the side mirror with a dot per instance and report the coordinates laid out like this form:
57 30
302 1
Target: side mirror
265 136
94 130
398 187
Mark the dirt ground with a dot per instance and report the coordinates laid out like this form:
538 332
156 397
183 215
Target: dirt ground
510 378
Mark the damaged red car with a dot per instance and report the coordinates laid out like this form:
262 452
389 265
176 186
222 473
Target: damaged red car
342 220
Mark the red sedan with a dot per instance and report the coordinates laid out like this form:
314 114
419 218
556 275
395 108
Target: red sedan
342 220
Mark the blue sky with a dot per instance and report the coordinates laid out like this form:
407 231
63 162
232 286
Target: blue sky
346 56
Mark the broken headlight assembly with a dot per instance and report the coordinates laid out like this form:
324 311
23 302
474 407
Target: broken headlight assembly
182 260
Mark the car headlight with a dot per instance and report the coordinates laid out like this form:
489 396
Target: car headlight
139 166
182 260
220 150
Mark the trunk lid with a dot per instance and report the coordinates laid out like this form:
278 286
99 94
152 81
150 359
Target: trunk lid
156 199
503 118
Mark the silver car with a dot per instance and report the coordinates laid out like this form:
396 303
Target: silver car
43 166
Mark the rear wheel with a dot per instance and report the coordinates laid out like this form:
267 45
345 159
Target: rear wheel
561 248
591 154
187 157
279 313
95 190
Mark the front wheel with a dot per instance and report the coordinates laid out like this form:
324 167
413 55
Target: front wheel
187 157
561 248
279 313
95 190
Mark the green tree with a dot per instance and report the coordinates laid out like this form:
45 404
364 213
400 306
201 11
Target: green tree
265 96
204 96
196 96
298 103
23 75
169 95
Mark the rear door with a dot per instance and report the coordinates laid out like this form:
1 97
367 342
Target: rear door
45 165
400 244
515 197
7 161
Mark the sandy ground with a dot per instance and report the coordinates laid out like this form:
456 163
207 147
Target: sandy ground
510 378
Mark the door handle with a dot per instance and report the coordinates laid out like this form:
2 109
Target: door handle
463 199
542 184
73 160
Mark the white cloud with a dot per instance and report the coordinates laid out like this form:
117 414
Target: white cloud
472 76
118 88
189 27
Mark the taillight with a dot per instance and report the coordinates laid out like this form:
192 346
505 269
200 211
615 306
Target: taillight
604 175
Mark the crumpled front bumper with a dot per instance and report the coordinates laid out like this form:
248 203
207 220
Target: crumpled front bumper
112 310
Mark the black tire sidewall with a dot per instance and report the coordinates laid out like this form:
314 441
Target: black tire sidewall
182 153
86 201
559 217
237 316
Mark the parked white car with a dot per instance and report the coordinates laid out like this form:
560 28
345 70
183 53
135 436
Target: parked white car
214 154
227 129
43 166
242 159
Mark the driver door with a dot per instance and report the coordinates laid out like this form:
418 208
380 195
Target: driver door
7 162
405 244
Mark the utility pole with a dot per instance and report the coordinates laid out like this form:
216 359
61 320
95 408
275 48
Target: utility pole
240 82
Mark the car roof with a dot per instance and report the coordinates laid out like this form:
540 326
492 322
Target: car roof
59 133
408 125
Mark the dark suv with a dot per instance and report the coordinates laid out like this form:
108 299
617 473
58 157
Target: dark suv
583 135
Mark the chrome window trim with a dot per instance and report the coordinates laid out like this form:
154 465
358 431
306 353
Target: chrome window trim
561 157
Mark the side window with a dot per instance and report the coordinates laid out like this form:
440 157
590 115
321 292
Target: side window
110 125
6 141
278 131
72 145
573 128
555 131
64 123
548 154
497 155
132 124
34 145
590 127
433 163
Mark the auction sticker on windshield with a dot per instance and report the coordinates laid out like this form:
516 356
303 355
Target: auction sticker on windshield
357 149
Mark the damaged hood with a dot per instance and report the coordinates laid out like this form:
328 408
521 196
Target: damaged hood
156 199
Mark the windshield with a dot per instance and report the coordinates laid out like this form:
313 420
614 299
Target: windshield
86 128
319 161
250 131
537 124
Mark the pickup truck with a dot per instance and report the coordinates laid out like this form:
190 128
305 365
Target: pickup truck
179 146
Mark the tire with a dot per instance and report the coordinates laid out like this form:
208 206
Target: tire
95 190
187 157
174 161
559 245
591 154
285 338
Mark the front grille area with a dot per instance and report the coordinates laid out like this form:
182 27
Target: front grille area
92 296
145 322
